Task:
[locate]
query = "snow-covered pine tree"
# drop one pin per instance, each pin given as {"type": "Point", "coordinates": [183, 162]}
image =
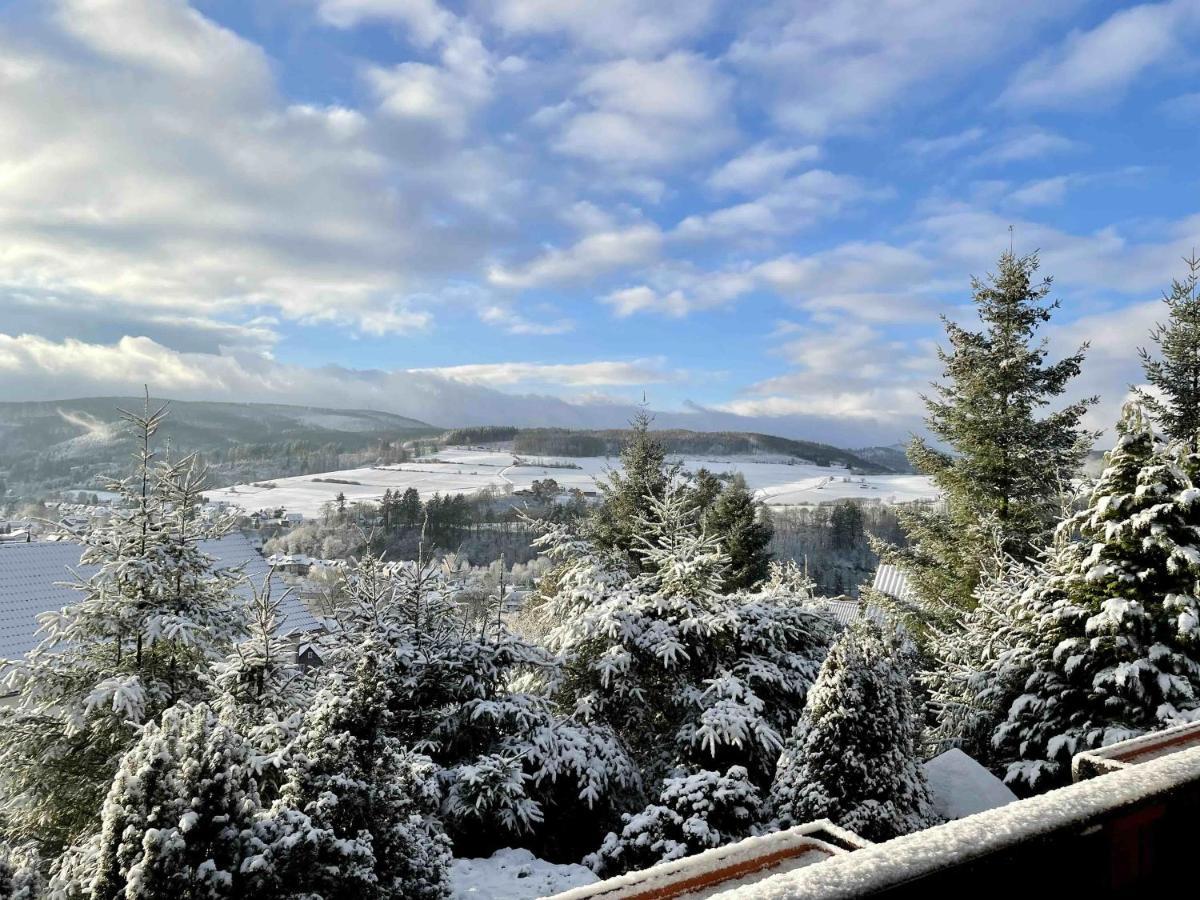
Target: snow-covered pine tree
{"type": "Point", "coordinates": [693, 681]}
{"type": "Point", "coordinates": [1006, 465]}
{"type": "Point", "coordinates": [745, 535]}
{"type": "Point", "coordinates": [260, 687]}
{"type": "Point", "coordinates": [1119, 640]}
{"type": "Point", "coordinates": [179, 817]}
{"type": "Point", "coordinates": [853, 758]}
{"type": "Point", "coordinates": [694, 812]}
{"type": "Point", "coordinates": [355, 817]}
{"type": "Point", "coordinates": [1175, 377]}
{"type": "Point", "coordinates": [20, 875]}
{"type": "Point", "coordinates": [137, 642]}
{"type": "Point", "coordinates": [513, 769]}
{"type": "Point", "coordinates": [977, 666]}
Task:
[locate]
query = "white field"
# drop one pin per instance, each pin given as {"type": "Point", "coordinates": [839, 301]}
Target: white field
{"type": "Point", "coordinates": [466, 470]}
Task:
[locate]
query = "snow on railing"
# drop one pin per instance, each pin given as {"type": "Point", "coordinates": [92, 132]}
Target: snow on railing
{"type": "Point", "coordinates": [906, 859]}
{"type": "Point", "coordinates": [784, 850]}
{"type": "Point", "coordinates": [1135, 751]}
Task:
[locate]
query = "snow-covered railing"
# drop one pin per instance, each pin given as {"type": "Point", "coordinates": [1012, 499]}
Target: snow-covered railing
{"type": "Point", "coordinates": [1085, 838]}
{"type": "Point", "coordinates": [1135, 751]}
{"type": "Point", "coordinates": [785, 850]}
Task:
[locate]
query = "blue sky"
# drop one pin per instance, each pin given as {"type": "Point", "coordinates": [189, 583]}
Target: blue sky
{"type": "Point", "coordinates": [538, 210]}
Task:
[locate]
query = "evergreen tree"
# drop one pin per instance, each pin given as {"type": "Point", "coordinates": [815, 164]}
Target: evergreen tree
{"type": "Point", "coordinates": [137, 642]}
{"type": "Point", "coordinates": [355, 816]}
{"type": "Point", "coordinates": [690, 680]}
{"type": "Point", "coordinates": [20, 878]}
{"type": "Point", "coordinates": [733, 518]}
{"type": "Point", "coordinates": [179, 817]}
{"type": "Point", "coordinates": [629, 494]}
{"type": "Point", "coordinates": [1118, 625]}
{"type": "Point", "coordinates": [1175, 403]}
{"type": "Point", "coordinates": [694, 812]}
{"type": "Point", "coordinates": [1004, 472]}
{"type": "Point", "coordinates": [852, 758]}
{"type": "Point", "coordinates": [978, 665]}
{"type": "Point", "coordinates": [260, 687]}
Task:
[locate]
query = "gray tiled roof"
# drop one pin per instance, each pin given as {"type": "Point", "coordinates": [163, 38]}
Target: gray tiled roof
{"type": "Point", "coordinates": [32, 576]}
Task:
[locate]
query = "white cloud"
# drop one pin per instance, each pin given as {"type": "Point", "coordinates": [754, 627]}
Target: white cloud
{"type": "Point", "coordinates": [827, 67]}
{"type": "Point", "coordinates": [593, 256]}
{"type": "Point", "coordinates": [1023, 145]}
{"type": "Point", "coordinates": [760, 167]}
{"type": "Point", "coordinates": [1043, 192]}
{"type": "Point", "coordinates": [630, 301]}
{"type": "Point", "coordinates": [946, 144]}
{"type": "Point", "coordinates": [427, 21]}
{"type": "Point", "coordinates": [156, 164]}
{"type": "Point", "coordinates": [512, 322]}
{"type": "Point", "coordinates": [1101, 63]}
{"type": "Point", "coordinates": [589, 374]}
{"type": "Point", "coordinates": [650, 114]}
{"type": "Point", "coordinates": [797, 203]}
{"type": "Point", "coordinates": [637, 27]}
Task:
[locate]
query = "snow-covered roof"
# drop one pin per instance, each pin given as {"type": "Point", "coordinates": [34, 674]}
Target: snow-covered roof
{"type": "Point", "coordinates": [891, 580]}
{"type": "Point", "coordinates": [905, 859]}
{"type": "Point", "coordinates": [962, 787]}
{"type": "Point", "coordinates": [32, 576]}
{"type": "Point", "coordinates": [715, 873]}
{"type": "Point", "coordinates": [846, 611]}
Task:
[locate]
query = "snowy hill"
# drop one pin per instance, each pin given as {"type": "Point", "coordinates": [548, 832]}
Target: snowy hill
{"type": "Point", "coordinates": [775, 481]}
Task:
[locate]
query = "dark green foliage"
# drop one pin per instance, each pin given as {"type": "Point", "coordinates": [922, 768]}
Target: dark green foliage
{"type": "Point", "coordinates": [733, 517]}
{"type": "Point", "coordinates": [630, 494]}
{"type": "Point", "coordinates": [1007, 461]}
{"type": "Point", "coordinates": [1118, 627]}
{"type": "Point", "coordinates": [852, 758]}
{"type": "Point", "coordinates": [1176, 375]}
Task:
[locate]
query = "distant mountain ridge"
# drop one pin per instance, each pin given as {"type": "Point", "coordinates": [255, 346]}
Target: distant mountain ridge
{"type": "Point", "coordinates": [608, 442]}
{"type": "Point", "coordinates": [53, 445]}
{"type": "Point", "coordinates": [193, 425]}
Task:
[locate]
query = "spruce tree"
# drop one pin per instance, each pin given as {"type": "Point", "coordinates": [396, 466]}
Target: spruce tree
{"type": "Point", "coordinates": [178, 820]}
{"type": "Point", "coordinates": [1118, 624]}
{"type": "Point", "coordinates": [733, 518]}
{"type": "Point", "coordinates": [628, 495]}
{"type": "Point", "coordinates": [138, 641]}
{"type": "Point", "coordinates": [1175, 402]}
{"type": "Point", "coordinates": [1006, 461]}
{"type": "Point", "coordinates": [852, 758]}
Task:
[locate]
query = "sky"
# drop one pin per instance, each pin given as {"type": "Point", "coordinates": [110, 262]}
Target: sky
{"type": "Point", "coordinates": [751, 214]}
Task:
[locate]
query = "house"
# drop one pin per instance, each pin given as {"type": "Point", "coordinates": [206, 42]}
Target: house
{"type": "Point", "coordinates": [32, 577]}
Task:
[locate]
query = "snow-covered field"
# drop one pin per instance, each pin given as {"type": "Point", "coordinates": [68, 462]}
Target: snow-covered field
{"type": "Point", "coordinates": [465, 470]}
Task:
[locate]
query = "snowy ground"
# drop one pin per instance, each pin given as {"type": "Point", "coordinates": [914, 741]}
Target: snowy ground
{"type": "Point", "coordinates": [464, 470]}
{"type": "Point", "coordinates": [513, 875]}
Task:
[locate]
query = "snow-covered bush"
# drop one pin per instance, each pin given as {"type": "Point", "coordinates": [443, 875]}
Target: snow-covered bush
{"type": "Point", "coordinates": [179, 817]}
{"type": "Point", "coordinates": [695, 812]}
{"type": "Point", "coordinates": [137, 641]}
{"type": "Point", "coordinates": [1118, 649]}
{"type": "Point", "coordinates": [852, 758]}
{"type": "Point", "coordinates": [20, 876]}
